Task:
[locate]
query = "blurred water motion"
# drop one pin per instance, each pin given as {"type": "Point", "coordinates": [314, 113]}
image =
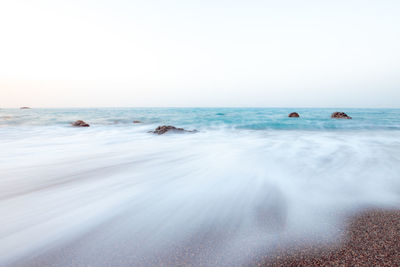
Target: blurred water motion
{"type": "Point", "coordinates": [110, 195]}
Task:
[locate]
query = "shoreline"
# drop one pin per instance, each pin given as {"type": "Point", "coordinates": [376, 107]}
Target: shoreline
{"type": "Point", "coordinates": [372, 238]}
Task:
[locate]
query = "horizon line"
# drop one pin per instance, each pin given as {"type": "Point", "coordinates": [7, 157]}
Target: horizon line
{"type": "Point", "coordinates": [259, 107]}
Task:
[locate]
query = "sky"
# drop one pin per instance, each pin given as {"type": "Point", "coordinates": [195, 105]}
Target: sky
{"type": "Point", "coordinates": [200, 53]}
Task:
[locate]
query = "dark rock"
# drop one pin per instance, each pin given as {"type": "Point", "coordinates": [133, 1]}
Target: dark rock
{"type": "Point", "coordinates": [80, 123]}
{"type": "Point", "coordinates": [137, 122]}
{"type": "Point", "coordinates": [167, 128]}
{"type": "Point", "coordinates": [340, 115]}
{"type": "Point", "coordinates": [24, 108]}
{"type": "Point", "coordinates": [294, 115]}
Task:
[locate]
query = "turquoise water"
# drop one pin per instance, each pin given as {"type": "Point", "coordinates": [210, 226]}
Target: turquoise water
{"type": "Point", "coordinates": [208, 118]}
{"type": "Point", "coordinates": [250, 180]}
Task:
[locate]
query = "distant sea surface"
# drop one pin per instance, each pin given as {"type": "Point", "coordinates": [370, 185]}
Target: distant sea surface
{"type": "Point", "coordinates": [250, 180]}
{"type": "Point", "coordinates": [208, 118]}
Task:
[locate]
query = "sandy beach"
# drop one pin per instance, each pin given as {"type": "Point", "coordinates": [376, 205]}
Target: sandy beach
{"type": "Point", "coordinates": [372, 238]}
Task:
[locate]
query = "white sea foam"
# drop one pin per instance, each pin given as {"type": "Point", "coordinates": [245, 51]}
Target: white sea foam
{"type": "Point", "coordinates": [121, 196]}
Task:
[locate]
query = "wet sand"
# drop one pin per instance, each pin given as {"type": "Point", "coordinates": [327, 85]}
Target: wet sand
{"type": "Point", "coordinates": [371, 239]}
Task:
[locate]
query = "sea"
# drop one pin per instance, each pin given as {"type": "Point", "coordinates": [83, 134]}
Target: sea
{"type": "Point", "coordinates": [249, 181]}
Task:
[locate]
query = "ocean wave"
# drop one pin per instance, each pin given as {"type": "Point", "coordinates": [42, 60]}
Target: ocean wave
{"type": "Point", "coordinates": [120, 196]}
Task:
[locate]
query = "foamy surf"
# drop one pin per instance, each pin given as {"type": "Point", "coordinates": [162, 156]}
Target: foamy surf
{"type": "Point", "coordinates": [117, 195]}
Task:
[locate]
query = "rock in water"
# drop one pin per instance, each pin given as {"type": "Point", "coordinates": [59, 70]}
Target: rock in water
{"type": "Point", "coordinates": [137, 122]}
{"type": "Point", "coordinates": [168, 128]}
{"type": "Point", "coordinates": [340, 115]}
{"type": "Point", "coordinates": [294, 115]}
{"type": "Point", "coordinates": [24, 108]}
{"type": "Point", "coordinates": [6, 117]}
{"type": "Point", "coordinates": [80, 123]}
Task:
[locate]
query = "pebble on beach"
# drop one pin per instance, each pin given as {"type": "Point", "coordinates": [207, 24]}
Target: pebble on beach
{"type": "Point", "coordinates": [371, 239]}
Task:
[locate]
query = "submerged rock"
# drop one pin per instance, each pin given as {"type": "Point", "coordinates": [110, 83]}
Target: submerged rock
{"type": "Point", "coordinates": [24, 108]}
{"type": "Point", "coordinates": [137, 122]}
{"type": "Point", "coordinates": [168, 128]}
{"type": "Point", "coordinates": [294, 115]}
{"type": "Point", "coordinates": [6, 117]}
{"type": "Point", "coordinates": [80, 123]}
{"type": "Point", "coordinates": [340, 115]}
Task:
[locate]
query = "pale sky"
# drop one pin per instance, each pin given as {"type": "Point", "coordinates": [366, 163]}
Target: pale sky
{"type": "Point", "coordinates": [282, 53]}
